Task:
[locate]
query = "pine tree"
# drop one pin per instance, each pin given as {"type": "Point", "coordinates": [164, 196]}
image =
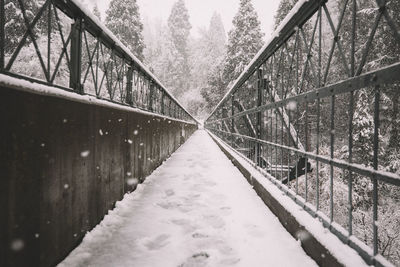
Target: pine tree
{"type": "Point", "coordinates": [283, 9]}
{"type": "Point", "coordinates": [216, 87]}
{"type": "Point", "coordinates": [96, 12]}
{"type": "Point", "coordinates": [245, 40]}
{"type": "Point", "coordinates": [212, 55]}
{"type": "Point", "coordinates": [123, 19]}
{"type": "Point", "coordinates": [179, 30]}
{"type": "Point", "coordinates": [179, 26]}
{"type": "Point", "coordinates": [217, 38]}
{"type": "Point", "coordinates": [14, 21]}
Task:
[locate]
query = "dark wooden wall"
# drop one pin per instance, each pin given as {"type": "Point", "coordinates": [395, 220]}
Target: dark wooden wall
{"type": "Point", "coordinates": [51, 193]}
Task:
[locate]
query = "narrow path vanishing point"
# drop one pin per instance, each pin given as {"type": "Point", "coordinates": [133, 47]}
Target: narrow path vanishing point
{"type": "Point", "coordinates": [195, 210]}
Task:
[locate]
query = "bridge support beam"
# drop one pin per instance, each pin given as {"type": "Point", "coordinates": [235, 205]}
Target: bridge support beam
{"type": "Point", "coordinates": [2, 34]}
{"type": "Point", "coordinates": [76, 56]}
{"type": "Point", "coordinates": [129, 81]}
{"type": "Point", "coordinates": [260, 88]}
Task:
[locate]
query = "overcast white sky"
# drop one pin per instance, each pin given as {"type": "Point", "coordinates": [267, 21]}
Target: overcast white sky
{"type": "Point", "coordinates": [200, 11]}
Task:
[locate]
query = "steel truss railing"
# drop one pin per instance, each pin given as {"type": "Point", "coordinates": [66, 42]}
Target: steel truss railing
{"type": "Point", "coordinates": [305, 66]}
{"type": "Point", "coordinates": [88, 59]}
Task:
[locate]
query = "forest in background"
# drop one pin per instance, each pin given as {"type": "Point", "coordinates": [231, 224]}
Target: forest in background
{"type": "Point", "coordinates": [199, 69]}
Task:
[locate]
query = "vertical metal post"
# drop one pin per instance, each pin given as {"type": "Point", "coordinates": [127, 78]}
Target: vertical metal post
{"type": "Point", "coordinates": [271, 148]}
{"type": "Point", "coordinates": [175, 105]}
{"type": "Point", "coordinates": [2, 34]}
{"type": "Point", "coordinates": [151, 94]}
{"type": "Point", "coordinates": [169, 107]}
{"type": "Point", "coordinates": [76, 56]}
{"type": "Point", "coordinates": [232, 120]}
{"type": "Point", "coordinates": [129, 81]}
{"type": "Point", "coordinates": [351, 111]}
{"type": "Point", "coordinates": [332, 137]}
{"type": "Point", "coordinates": [318, 106]}
{"type": "Point", "coordinates": [48, 42]}
{"type": "Point", "coordinates": [375, 165]}
{"type": "Point", "coordinates": [276, 141]}
{"type": "Point", "coordinates": [162, 103]}
{"type": "Point", "coordinates": [307, 149]}
{"type": "Point", "coordinates": [259, 119]}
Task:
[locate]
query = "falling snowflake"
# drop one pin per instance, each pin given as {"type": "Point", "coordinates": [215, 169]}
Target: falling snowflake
{"type": "Point", "coordinates": [132, 181]}
{"type": "Point", "coordinates": [17, 244]}
{"type": "Point", "coordinates": [85, 153]}
{"type": "Point", "coordinates": [292, 105]}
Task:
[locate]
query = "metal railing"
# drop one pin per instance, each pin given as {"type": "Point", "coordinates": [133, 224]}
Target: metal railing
{"type": "Point", "coordinates": [292, 110]}
{"type": "Point", "coordinates": [62, 44]}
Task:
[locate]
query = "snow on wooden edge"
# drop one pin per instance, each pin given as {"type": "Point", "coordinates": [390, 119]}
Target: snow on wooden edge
{"type": "Point", "coordinates": [343, 253]}
{"type": "Point", "coordinates": [41, 89]}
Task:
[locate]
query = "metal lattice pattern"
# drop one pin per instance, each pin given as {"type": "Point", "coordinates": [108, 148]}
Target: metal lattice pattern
{"type": "Point", "coordinates": [61, 44]}
{"type": "Point", "coordinates": [285, 108]}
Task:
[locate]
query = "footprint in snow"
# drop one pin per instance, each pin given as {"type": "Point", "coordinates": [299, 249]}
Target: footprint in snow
{"type": "Point", "coordinates": [169, 192]}
{"type": "Point", "coordinates": [196, 260]}
{"type": "Point", "coordinates": [209, 183]}
{"type": "Point", "coordinates": [186, 225]}
{"type": "Point", "coordinates": [214, 220]}
{"type": "Point", "coordinates": [180, 221]}
{"type": "Point", "coordinates": [157, 243]}
{"type": "Point", "coordinates": [229, 262]}
{"type": "Point", "coordinates": [169, 204]}
{"type": "Point", "coordinates": [225, 210]}
{"type": "Point", "coordinates": [199, 235]}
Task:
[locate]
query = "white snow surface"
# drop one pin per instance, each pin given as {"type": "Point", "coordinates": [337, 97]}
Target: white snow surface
{"type": "Point", "coordinates": [195, 210]}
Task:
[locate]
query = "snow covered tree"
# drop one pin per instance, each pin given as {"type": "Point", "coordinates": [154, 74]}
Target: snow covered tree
{"type": "Point", "coordinates": [283, 9]}
{"type": "Point", "coordinates": [14, 21]}
{"type": "Point", "coordinates": [217, 38]}
{"type": "Point", "coordinates": [216, 87]}
{"type": "Point", "coordinates": [179, 26]}
{"type": "Point", "coordinates": [96, 12]}
{"type": "Point", "coordinates": [211, 57]}
{"type": "Point", "coordinates": [123, 19]}
{"type": "Point", "coordinates": [244, 41]}
{"type": "Point", "coordinates": [178, 33]}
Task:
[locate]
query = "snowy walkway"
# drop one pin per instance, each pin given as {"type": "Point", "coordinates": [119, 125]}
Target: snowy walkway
{"type": "Point", "coordinates": [195, 210]}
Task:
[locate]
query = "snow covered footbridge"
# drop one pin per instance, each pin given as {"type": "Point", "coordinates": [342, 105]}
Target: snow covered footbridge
{"type": "Point", "coordinates": [311, 124]}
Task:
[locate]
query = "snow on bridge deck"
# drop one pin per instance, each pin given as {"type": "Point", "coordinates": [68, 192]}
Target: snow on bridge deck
{"type": "Point", "coordinates": [195, 210]}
